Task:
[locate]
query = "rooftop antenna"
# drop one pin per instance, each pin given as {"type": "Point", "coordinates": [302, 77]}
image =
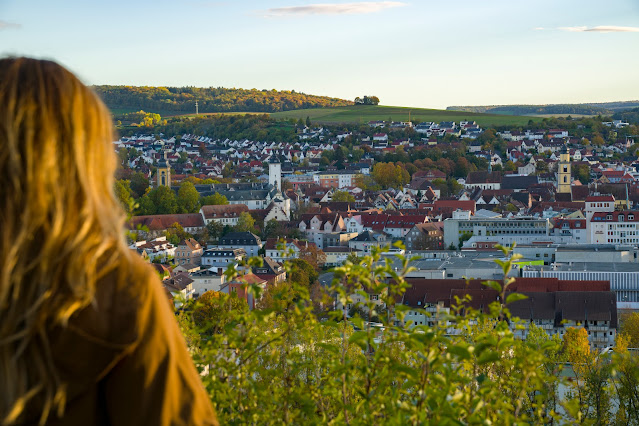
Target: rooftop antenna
{"type": "Point", "coordinates": [196, 109]}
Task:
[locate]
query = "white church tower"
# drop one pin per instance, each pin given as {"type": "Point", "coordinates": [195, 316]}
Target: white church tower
{"type": "Point", "coordinates": [275, 175]}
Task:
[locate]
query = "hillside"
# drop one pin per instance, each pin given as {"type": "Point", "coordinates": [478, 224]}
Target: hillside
{"type": "Point", "coordinates": [181, 100]}
{"type": "Point", "coordinates": [366, 113]}
{"type": "Point", "coordinates": [601, 108]}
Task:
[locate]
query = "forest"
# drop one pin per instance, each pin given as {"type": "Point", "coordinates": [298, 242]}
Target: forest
{"type": "Point", "coordinates": [605, 108]}
{"type": "Point", "coordinates": [180, 100]}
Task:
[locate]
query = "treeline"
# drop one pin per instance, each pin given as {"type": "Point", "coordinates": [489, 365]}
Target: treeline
{"type": "Point", "coordinates": [583, 109]}
{"type": "Point", "coordinates": [212, 99]}
{"type": "Point", "coordinates": [631, 116]}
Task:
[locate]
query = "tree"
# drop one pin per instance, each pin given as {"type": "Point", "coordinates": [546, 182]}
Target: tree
{"type": "Point", "coordinates": [541, 166]}
{"type": "Point", "coordinates": [272, 229]}
{"type": "Point", "coordinates": [582, 172]}
{"type": "Point", "coordinates": [215, 230]}
{"type": "Point", "coordinates": [630, 327]}
{"type": "Point", "coordinates": [139, 184]}
{"type": "Point", "coordinates": [216, 199]}
{"type": "Point", "coordinates": [591, 375]}
{"type": "Point", "coordinates": [164, 200]}
{"type": "Point", "coordinates": [510, 207]}
{"type": "Point", "coordinates": [188, 199]}
{"type": "Point", "coordinates": [364, 182]}
{"type": "Point", "coordinates": [176, 233]}
{"type": "Point", "coordinates": [510, 166]}
{"type": "Point", "coordinates": [245, 223]}
{"type": "Point", "coordinates": [214, 310]}
{"type": "Point", "coordinates": [308, 121]}
{"type": "Point", "coordinates": [626, 381]}
{"type": "Point", "coordinates": [342, 196]}
{"type": "Point", "coordinates": [339, 157]}
{"type": "Point", "coordinates": [145, 206]}
{"type": "Point", "coordinates": [302, 272]}
{"type": "Point", "coordinates": [367, 100]}
{"type": "Point", "coordinates": [228, 170]}
{"type": "Point", "coordinates": [313, 255]}
{"type": "Point", "coordinates": [389, 175]}
{"type": "Point", "coordinates": [123, 193]}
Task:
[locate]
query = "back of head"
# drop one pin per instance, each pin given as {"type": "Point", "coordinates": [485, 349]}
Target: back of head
{"type": "Point", "coordinates": [61, 222]}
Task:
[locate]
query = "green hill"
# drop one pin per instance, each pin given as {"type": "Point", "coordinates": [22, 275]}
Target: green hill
{"type": "Point", "coordinates": [366, 113]}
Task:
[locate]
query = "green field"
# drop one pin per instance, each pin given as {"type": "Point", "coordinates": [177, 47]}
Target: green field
{"type": "Point", "coordinates": [366, 113]}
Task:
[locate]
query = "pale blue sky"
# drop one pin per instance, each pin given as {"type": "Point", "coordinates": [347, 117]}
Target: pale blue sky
{"type": "Point", "coordinates": [413, 53]}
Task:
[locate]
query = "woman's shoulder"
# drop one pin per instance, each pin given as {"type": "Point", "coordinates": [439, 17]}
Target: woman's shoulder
{"type": "Point", "coordinates": [113, 321]}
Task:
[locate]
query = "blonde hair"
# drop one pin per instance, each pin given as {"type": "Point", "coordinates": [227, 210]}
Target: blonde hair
{"type": "Point", "coordinates": [61, 223]}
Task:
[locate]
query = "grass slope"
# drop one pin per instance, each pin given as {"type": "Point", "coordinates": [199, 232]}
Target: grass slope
{"type": "Point", "coordinates": [366, 113]}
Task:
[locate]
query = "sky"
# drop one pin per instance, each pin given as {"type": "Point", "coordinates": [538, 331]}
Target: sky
{"type": "Point", "coordinates": [428, 53]}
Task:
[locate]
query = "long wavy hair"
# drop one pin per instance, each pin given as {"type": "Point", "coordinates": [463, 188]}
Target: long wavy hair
{"type": "Point", "coordinates": [61, 223]}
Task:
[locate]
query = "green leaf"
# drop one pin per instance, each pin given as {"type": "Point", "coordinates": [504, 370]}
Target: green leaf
{"type": "Point", "coordinates": [494, 285]}
{"type": "Point", "coordinates": [513, 297]}
{"type": "Point", "coordinates": [359, 338]}
{"type": "Point", "coordinates": [488, 356]}
{"type": "Point", "coordinates": [460, 351]}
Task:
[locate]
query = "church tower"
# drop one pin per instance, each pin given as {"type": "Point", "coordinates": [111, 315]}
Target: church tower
{"type": "Point", "coordinates": [563, 177]}
{"type": "Point", "coordinates": [163, 174]}
{"type": "Point", "coordinates": [275, 175]}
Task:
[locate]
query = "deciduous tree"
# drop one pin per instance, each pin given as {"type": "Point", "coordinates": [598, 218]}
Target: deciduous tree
{"type": "Point", "coordinates": [214, 200]}
{"type": "Point", "coordinates": [245, 223]}
{"type": "Point", "coordinates": [188, 199]}
{"type": "Point", "coordinates": [342, 196]}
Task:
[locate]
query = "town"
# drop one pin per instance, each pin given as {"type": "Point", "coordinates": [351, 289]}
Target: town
{"type": "Point", "coordinates": [566, 204]}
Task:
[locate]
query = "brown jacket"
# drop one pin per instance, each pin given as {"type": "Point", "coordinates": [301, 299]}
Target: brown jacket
{"type": "Point", "coordinates": [125, 362]}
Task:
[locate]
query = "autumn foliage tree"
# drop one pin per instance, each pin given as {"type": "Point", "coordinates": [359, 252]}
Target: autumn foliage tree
{"type": "Point", "coordinates": [390, 175]}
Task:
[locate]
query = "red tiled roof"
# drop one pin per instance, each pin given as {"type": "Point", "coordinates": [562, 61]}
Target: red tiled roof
{"type": "Point", "coordinates": [220, 211]}
{"type": "Point", "coordinates": [614, 216]}
{"type": "Point", "coordinates": [163, 221]}
{"type": "Point", "coordinates": [593, 198]}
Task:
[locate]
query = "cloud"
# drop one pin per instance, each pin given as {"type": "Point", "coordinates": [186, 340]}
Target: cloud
{"type": "Point", "coordinates": [601, 29]}
{"type": "Point", "coordinates": [4, 25]}
{"type": "Point", "coordinates": [539, 28]}
{"type": "Point", "coordinates": [333, 8]}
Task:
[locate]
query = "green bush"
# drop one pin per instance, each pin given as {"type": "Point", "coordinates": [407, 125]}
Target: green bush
{"type": "Point", "coordinates": [288, 364]}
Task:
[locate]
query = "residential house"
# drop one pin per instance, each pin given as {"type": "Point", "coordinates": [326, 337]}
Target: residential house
{"type": "Point", "coordinates": [337, 255]}
{"type": "Point", "coordinates": [247, 241]}
{"type": "Point", "coordinates": [158, 248]}
{"type": "Point", "coordinates": [221, 259]}
{"type": "Point", "coordinates": [179, 284]}
{"type": "Point", "coordinates": [314, 226]}
{"type": "Point", "coordinates": [425, 236]}
{"type": "Point", "coordinates": [365, 241]}
{"type": "Point", "coordinates": [483, 180]}
{"type": "Point", "coordinates": [271, 271]}
{"type": "Point", "coordinates": [206, 280]}
{"type": "Point", "coordinates": [151, 226]}
{"type": "Point", "coordinates": [289, 248]}
{"type": "Point", "coordinates": [240, 285]}
{"type": "Point", "coordinates": [226, 215]}
{"type": "Point", "coordinates": [189, 251]}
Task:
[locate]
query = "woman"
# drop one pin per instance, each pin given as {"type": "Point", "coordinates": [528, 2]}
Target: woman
{"type": "Point", "coordinates": [86, 333]}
